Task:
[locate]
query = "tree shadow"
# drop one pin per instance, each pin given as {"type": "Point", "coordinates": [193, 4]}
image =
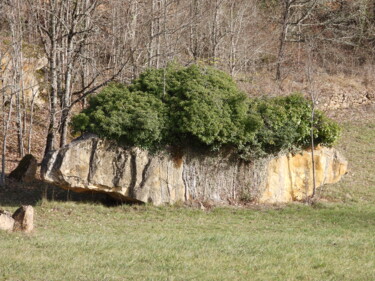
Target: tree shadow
{"type": "Point", "coordinates": [15, 194]}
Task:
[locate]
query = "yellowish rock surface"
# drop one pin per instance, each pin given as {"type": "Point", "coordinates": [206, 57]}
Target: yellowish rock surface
{"type": "Point", "coordinates": [290, 177]}
{"type": "Point", "coordinates": [133, 174]}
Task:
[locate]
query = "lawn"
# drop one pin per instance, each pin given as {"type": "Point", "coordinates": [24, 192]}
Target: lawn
{"type": "Point", "coordinates": [332, 240]}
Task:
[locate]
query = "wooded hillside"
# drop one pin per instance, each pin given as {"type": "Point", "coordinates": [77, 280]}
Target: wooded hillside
{"type": "Point", "coordinates": [88, 43]}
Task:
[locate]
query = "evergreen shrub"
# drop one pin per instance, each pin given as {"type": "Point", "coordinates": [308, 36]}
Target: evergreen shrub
{"type": "Point", "coordinates": [201, 106]}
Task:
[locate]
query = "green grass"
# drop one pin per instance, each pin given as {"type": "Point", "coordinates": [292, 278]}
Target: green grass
{"type": "Point", "coordinates": [357, 144]}
{"type": "Point", "coordinates": [86, 242]}
{"type": "Point", "coordinates": [332, 240]}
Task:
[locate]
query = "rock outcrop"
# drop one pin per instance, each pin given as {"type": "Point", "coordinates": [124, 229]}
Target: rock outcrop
{"type": "Point", "coordinates": [92, 164]}
{"type": "Point", "coordinates": [32, 78]}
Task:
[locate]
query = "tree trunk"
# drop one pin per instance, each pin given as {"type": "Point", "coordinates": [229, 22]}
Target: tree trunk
{"type": "Point", "coordinates": [29, 139]}
{"type": "Point", "coordinates": [6, 123]}
{"type": "Point", "coordinates": [151, 35]}
{"type": "Point", "coordinates": [280, 55]}
{"type": "Point", "coordinates": [66, 102]}
{"type": "Point", "coordinates": [193, 38]}
{"type": "Point", "coordinates": [17, 65]}
{"type": "Point", "coordinates": [53, 81]}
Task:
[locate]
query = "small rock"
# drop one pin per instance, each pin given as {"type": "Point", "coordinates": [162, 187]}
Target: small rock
{"type": "Point", "coordinates": [348, 196]}
{"type": "Point", "coordinates": [370, 96]}
{"type": "Point", "coordinates": [6, 221]}
{"type": "Point", "coordinates": [24, 219]}
{"type": "Point", "coordinates": [9, 214]}
{"type": "Point", "coordinates": [202, 207]}
{"type": "Point", "coordinates": [25, 170]}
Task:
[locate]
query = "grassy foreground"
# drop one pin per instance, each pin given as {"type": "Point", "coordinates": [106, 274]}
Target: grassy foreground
{"type": "Point", "coordinates": [333, 240]}
{"type": "Point", "coordinates": [85, 242]}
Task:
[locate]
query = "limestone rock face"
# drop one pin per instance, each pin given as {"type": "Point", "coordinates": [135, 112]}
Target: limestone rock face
{"type": "Point", "coordinates": [290, 178]}
{"type": "Point", "coordinates": [32, 79]}
{"type": "Point", "coordinates": [92, 164]}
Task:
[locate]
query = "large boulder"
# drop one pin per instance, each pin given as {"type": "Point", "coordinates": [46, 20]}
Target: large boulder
{"type": "Point", "coordinates": [92, 164]}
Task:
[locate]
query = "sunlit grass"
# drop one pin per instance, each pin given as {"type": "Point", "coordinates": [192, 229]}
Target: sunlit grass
{"type": "Point", "coordinates": [357, 144]}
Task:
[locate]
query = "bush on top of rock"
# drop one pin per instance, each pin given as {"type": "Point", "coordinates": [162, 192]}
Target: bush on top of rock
{"type": "Point", "coordinates": [201, 106]}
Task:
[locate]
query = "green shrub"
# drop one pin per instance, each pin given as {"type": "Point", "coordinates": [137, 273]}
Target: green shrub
{"type": "Point", "coordinates": [132, 118]}
{"type": "Point", "coordinates": [201, 106]}
{"type": "Point", "coordinates": [286, 123]}
{"type": "Point", "coordinates": [205, 105]}
{"type": "Point", "coordinates": [326, 131]}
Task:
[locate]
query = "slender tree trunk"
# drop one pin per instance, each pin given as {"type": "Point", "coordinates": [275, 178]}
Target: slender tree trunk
{"type": "Point", "coordinates": [151, 35]}
{"type": "Point", "coordinates": [233, 51]}
{"type": "Point", "coordinates": [312, 150]}
{"type": "Point", "coordinates": [193, 38]}
{"type": "Point", "coordinates": [66, 102]}
{"type": "Point", "coordinates": [133, 30]}
{"type": "Point", "coordinates": [158, 38]}
{"type": "Point", "coordinates": [31, 122]}
{"type": "Point", "coordinates": [214, 33]}
{"type": "Point", "coordinates": [17, 64]}
{"type": "Point", "coordinates": [164, 57]}
{"type": "Point", "coordinates": [53, 81]}
{"type": "Point", "coordinates": [280, 55]}
{"type": "Point", "coordinates": [6, 122]}
{"type": "Point", "coordinates": [313, 97]}
{"type": "Point", "coordinates": [22, 86]}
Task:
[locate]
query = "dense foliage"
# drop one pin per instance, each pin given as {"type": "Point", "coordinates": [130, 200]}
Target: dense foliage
{"type": "Point", "coordinates": [201, 106]}
{"type": "Point", "coordinates": [136, 118]}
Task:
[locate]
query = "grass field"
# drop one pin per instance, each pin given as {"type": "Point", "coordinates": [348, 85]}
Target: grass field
{"type": "Point", "coordinates": [332, 240]}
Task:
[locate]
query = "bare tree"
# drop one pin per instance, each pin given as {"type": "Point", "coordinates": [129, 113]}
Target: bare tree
{"type": "Point", "coordinates": [293, 14]}
{"type": "Point", "coordinates": [11, 73]}
{"type": "Point", "coordinates": [66, 28]}
{"type": "Point", "coordinates": [194, 41]}
{"type": "Point", "coordinates": [7, 100]}
{"type": "Point", "coordinates": [314, 100]}
{"type": "Point", "coordinates": [47, 15]}
{"type": "Point", "coordinates": [15, 24]}
{"type": "Point", "coordinates": [77, 26]}
{"type": "Point", "coordinates": [236, 21]}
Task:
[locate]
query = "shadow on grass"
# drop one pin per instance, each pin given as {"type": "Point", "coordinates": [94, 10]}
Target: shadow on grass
{"type": "Point", "coordinates": [16, 193]}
